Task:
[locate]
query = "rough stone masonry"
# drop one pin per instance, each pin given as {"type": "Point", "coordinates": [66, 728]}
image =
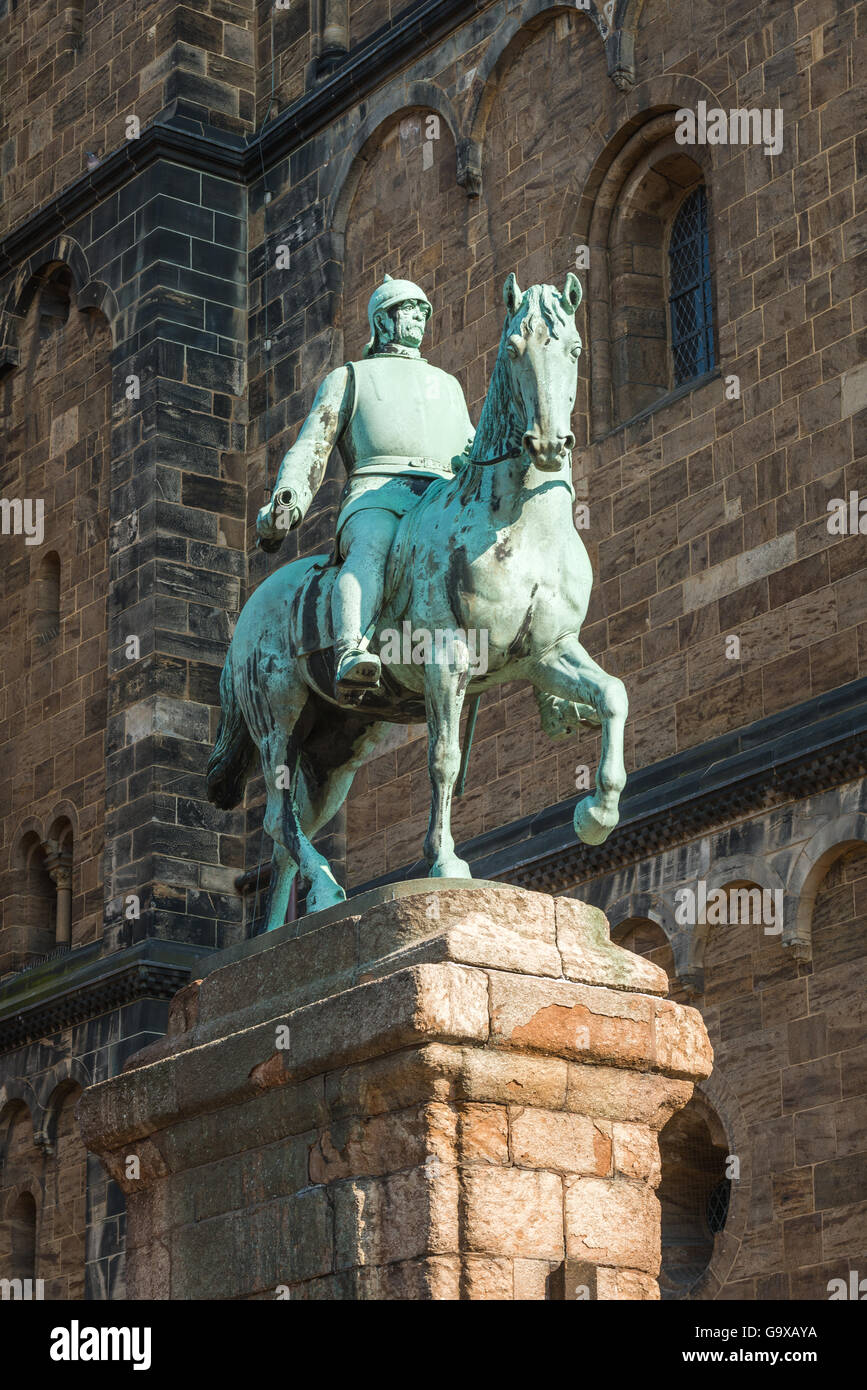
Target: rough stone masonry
{"type": "Point", "coordinates": [425, 1093]}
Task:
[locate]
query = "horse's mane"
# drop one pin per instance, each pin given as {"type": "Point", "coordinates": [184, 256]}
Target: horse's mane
{"type": "Point", "coordinates": [497, 421]}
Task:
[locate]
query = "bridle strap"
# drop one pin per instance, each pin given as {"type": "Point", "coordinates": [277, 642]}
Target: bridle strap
{"type": "Point", "coordinates": [513, 453]}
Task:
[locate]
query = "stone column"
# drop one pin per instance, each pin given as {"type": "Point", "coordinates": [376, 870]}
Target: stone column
{"type": "Point", "coordinates": [431, 1092]}
{"type": "Point", "coordinates": [58, 863]}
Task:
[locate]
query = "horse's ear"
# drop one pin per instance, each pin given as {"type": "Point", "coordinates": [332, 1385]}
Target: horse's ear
{"type": "Point", "coordinates": [571, 296]}
{"type": "Point", "coordinates": [512, 293]}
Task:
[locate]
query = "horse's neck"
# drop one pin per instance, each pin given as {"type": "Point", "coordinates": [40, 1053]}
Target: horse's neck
{"type": "Point", "coordinates": [511, 494]}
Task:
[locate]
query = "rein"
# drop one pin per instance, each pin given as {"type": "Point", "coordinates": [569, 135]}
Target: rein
{"type": "Point", "coordinates": [513, 453]}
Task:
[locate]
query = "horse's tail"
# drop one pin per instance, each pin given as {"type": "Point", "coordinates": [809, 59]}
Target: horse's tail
{"type": "Point", "coordinates": [234, 749]}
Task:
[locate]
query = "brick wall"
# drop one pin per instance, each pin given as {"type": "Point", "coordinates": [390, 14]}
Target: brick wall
{"type": "Point", "coordinates": [53, 683]}
{"type": "Point", "coordinates": [789, 1041]}
{"type": "Point", "coordinates": [69, 84]}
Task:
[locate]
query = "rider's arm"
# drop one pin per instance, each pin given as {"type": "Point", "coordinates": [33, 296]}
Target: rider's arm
{"type": "Point", "coordinates": [303, 466]}
{"type": "Point", "coordinates": [461, 459]}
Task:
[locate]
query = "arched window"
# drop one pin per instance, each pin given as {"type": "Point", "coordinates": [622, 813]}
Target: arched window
{"type": "Point", "coordinates": [22, 1221]}
{"type": "Point", "coordinates": [694, 1197]}
{"type": "Point", "coordinates": [650, 293]}
{"type": "Point", "coordinates": [690, 297]}
{"type": "Point", "coordinates": [54, 301]}
{"type": "Point", "coordinates": [35, 900]}
{"type": "Point", "coordinates": [47, 598]}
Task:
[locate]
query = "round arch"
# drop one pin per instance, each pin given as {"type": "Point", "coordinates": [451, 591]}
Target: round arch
{"type": "Point", "coordinates": [68, 1076]}
{"type": "Point", "coordinates": [91, 295]}
{"type": "Point", "coordinates": [730, 872]}
{"type": "Point", "coordinates": [421, 96]}
{"type": "Point", "coordinates": [502, 52]}
{"type": "Point", "coordinates": [807, 872]}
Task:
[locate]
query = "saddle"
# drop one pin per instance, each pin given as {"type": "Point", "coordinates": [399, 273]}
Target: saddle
{"type": "Point", "coordinates": [312, 632]}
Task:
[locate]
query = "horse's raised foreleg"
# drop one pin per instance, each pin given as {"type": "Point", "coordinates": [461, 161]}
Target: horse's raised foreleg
{"type": "Point", "coordinates": [568, 671]}
{"type": "Point", "coordinates": [444, 697]}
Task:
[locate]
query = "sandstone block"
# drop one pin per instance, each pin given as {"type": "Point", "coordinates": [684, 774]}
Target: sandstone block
{"type": "Point", "coordinates": [612, 1223]}
{"type": "Point", "coordinates": [571, 1020]}
{"type": "Point", "coordinates": [509, 1211]}
{"type": "Point", "coordinates": [516, 933]}
{"type": "Point", "coordinates": [682, 1044]}
{"type": "Point", "coordinates": [463, 1123]}
{"type": "Point", "coordinates": [403, 1216]}
{"type": "Point", "coordinates": [637, 1096]}
{"type": "Point", "coordinates": [589, 954]}
{"type": "Point", "coordinates": [636, 1152]}
{"type": "Point", "coordinates": [531, 1278]}
{"type": "Point", "coordinates": [482, 1134]}
{"type": "Point", "coordinates": [558, 1140]}
{"type": "Point", "coordinates": [626, 1284]}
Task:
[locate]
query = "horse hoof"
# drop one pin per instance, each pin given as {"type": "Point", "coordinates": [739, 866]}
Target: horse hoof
{"type": "Point", "coordinates": [450, 868]}
{"type": "Point", "coordinates": [592, 826]}
{"type": "Point", "coordinates": [328, 895]}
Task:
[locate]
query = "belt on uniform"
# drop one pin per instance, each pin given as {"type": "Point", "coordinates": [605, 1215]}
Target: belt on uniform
{"type": "Point", "coordinates": [395, 463]}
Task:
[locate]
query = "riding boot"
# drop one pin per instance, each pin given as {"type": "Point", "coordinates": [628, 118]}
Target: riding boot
{"type": "Point", "coordinates": [355, 669]}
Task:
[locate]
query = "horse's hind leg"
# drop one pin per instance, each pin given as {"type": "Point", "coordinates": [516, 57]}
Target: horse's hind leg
{"type": "Point", "coordinates": [292, 848]}
{"type": "Point", "coordinates": [283, 876]}
{"type": "Point", "coordinates": [336, 758]}
{"type": "Point", "coordinates": [568, 671]}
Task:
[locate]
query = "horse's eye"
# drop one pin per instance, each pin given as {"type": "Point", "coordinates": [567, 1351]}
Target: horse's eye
{"type": "Point", "coordinates": [512, 350]}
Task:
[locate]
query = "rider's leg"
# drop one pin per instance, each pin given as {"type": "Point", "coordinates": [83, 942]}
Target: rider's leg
{"type": "Point", "coordinates": [365, 542]}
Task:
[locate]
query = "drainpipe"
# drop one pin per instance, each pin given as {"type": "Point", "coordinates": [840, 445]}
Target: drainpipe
{"type": "Point", "coordinates": [335, 34]}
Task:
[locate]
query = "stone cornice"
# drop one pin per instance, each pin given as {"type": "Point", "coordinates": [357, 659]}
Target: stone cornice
{"type": "Point", "coordinates": [41, 1002]}
{"type": "Point", "coordinates": [199, 146]}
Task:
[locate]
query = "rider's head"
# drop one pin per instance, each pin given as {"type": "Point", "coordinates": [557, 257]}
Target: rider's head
{"type": "Point", "coordinates": [397, 313]}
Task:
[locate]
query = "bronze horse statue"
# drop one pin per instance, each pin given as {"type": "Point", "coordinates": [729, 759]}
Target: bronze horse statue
{"type": "Point", "coordinates": [492, 549]}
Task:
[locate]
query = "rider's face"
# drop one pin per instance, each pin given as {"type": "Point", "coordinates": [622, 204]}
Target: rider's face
{"type": "Point", "coordinates": [409, 320]}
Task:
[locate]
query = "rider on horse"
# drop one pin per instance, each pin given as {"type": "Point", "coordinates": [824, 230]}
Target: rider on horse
{"type": "Point", "coordinates": [398, 423]}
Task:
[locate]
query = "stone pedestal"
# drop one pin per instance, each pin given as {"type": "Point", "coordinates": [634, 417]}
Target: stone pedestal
{"type": "Point", "coordinates": [437, 1090]}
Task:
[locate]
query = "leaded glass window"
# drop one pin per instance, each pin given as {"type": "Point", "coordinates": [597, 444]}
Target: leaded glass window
{"type": "Point", "coordinates": [690, 298]}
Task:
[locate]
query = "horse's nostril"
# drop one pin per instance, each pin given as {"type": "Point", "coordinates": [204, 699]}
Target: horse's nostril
{"type": "Point", "coordinates": [568, 441]}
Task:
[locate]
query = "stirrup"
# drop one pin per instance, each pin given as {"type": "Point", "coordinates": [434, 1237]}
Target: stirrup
{"type": "Point", "coordinates": [357, 670]}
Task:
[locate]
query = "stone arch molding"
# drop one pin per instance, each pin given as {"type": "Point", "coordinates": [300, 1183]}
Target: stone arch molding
{"type": "Point", "coordinates": [649, 906]}
{"type": "Point", "coordinates": [16, 1090]}
{"type": "Point", "coordinates": [388, 109]}
{"type": "Point", "coordinates": [807, 872]}
{"type": "Point", "coordinates": [56, 1085]}
{"type": "Point", "coordinates": [614, 20]}
{"type": "Point", "coordinates": [342, 178]}
{"type": "Point", "coordinates": [724, 872]}
{"type": "Point", "coordinates": [30, 1187]}
{"type": "Point", "coordinates": [611, 165]}
{"type": "Point", "coordinates": [62, 810]}
{"type": "Point", "coordinates": [716, 1100]}
{"type": "Point", "coordinates": [91, 295]}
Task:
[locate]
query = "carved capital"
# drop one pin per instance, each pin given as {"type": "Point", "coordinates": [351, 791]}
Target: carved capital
{"type": "Point", "coordinates": [42, 1141]}
{"type": "Point", "coordinates": [620, 52]}
{"type": "Point", "coordinates": [470, 166]}
{"type": "Point", "coordinates": [58, 862]}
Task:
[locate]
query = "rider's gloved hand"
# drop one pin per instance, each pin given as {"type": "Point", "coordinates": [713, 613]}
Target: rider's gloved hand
{"type": "Point", "coordinates": [276, 518]}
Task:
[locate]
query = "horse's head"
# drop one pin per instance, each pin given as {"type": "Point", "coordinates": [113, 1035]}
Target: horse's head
{"type": "Point", "coordinates": [543, 346]}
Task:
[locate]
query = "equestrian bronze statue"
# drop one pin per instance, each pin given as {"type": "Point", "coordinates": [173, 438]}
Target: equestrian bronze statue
{"type": "Point", "coordinates": [445, 535]}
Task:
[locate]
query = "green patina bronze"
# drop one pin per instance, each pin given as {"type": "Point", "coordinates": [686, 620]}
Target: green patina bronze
{"type": "Point", "coordinates": [441, 530]}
